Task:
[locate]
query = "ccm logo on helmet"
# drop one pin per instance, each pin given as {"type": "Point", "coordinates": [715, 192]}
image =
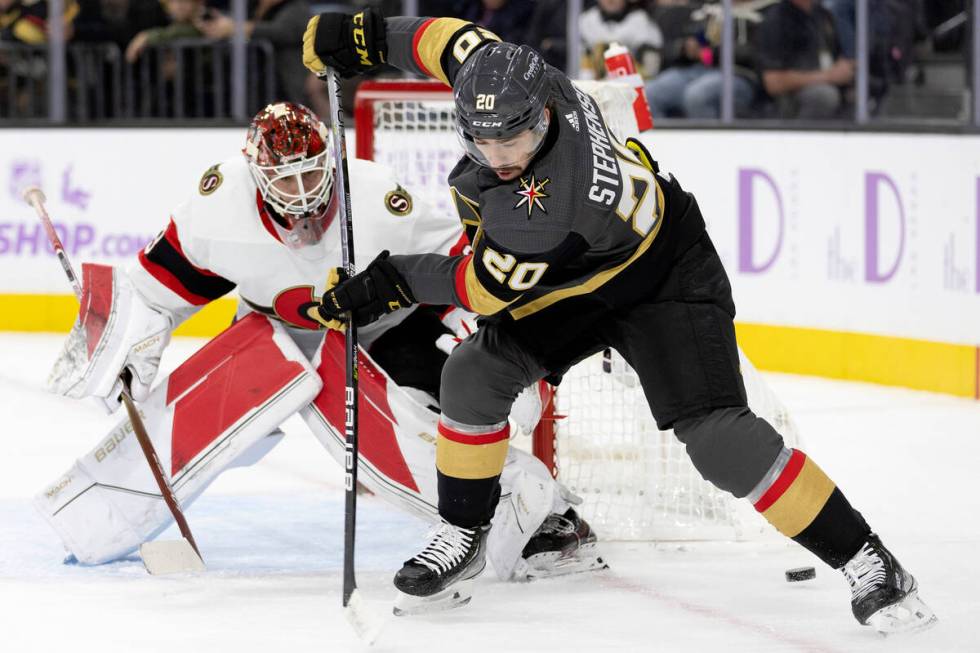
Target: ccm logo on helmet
{"type": "Point", "coordinates": [481, 123]}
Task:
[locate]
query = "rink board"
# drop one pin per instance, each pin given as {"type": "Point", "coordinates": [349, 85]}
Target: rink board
{"type": "Point", "coordinates": [852, 255]}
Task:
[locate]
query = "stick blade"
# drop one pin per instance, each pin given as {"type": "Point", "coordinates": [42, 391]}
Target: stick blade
{"type": "Point", "coordinates": [365, 623]}
{"type": "Point", "coordinates": [170, 557]}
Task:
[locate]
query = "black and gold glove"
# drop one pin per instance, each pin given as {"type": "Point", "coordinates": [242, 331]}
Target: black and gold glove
{"type": "Point", "coordinates": [350, 44]}
{"type": "Point", "coordinates": [378, 290]}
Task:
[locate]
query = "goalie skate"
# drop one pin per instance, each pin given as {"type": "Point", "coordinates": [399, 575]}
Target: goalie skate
{"type": "Point", "coordinates": [563, 544]}
{"type": "Point", "coordinates": [884, 595]}
{"type": "Point", "coordinates": [440, 577]}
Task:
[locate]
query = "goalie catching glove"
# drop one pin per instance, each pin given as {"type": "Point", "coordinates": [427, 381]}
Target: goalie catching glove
{"type": "Point", "coordinates": [350, 44]}
{"type": "Point", "coordinates": [116, 330]}
{"type": "Point", "coordinates": [378, 290]}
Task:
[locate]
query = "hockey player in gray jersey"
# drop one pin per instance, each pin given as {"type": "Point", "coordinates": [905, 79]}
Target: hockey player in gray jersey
{"type": "Point", "coordinates": [579, 243]}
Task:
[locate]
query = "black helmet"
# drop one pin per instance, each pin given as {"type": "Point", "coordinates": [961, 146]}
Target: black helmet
{"type": "Point", "coordinates": [500, 92]}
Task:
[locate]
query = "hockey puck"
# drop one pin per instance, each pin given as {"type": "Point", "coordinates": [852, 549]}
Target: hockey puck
{"type": "Point", "coordinates": [800, 573]}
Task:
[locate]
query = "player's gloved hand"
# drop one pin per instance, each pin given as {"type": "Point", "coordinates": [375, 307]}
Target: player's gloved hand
{"type": "Point", "coordinates": [349, 43]}
{"type": "Point", "coordinates": [378, 290]}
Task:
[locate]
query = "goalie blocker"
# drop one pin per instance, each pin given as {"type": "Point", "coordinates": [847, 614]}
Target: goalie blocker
{"type": "Point", "coordinates": [107, 504]}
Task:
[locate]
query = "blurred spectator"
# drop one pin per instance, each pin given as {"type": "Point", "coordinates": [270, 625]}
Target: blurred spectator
{"type": "Point", "coordinates": [281, 22]}
{"type": "Point", "coordinates": [508, 19]}
{"type": "Point", "coordinates": [184, 14]}
{"type": "Point", "coordinates": [800, 59]}
{"type": "Point", "coordinates": [25, 21]}
{"type": "Point", "coordinates": [547, 32]}
{"type": "Point", "coordinates": [619, 21]}
{"type": "Point", "coordinates": [691, 84]}
{"type": "Point", "coordinates": [895, 26]}
{"type": "Point", "coordinates": [116, 21]}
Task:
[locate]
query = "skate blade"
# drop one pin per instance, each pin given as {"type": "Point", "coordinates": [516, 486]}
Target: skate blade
{"type": "Point", "coordinates": [910, 615]}
{"type": "Point", "coordinates": [453, 597]}
{"type": "Point", "coordinates": [553, 564]}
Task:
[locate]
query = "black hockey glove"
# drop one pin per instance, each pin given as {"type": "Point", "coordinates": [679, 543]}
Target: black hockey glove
{"type": "Point", "coordinates": [348, 43]}
{"type": "Point", "coordinates": [378, 290]}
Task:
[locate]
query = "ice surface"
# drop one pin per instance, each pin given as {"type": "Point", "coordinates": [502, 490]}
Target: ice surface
{"type": "Point", "coordinates": [272, 538]}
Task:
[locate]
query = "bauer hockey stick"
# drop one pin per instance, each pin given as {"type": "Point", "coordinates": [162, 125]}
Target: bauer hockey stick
{"type": "Point", "coordinates": [356, 612]}
{"type": "Point", "coordinates": [160, 557]}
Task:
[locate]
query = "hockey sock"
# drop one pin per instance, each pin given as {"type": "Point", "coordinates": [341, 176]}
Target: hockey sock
{"type": "Point", "coordinates": [801, 502]}
{"type": "Point", "coordinates": [469, 460]}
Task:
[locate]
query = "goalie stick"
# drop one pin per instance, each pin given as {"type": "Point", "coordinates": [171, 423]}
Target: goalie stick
{"type": "Point", "coordinates": [363, 622]}
{"type": "Point", "coordinates": [162, 556]}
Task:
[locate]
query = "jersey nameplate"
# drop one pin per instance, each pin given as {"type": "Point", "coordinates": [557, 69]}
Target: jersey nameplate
{"type": "Point", "coordinates": [605, 172]}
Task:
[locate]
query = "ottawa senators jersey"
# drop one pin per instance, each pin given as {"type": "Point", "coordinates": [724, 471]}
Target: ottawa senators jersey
{"type": "Point", "coordinates": [222, 237]}
{"type": "Point", "coordinates": [590, 221]}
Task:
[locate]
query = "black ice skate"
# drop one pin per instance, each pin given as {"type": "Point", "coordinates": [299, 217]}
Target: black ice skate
{"type": "Point", "coordinates": [883, 594]}
{"type": "Point", "coordinates": [439, 578]}
{"type": "Point", "coordinates": [563, 544]}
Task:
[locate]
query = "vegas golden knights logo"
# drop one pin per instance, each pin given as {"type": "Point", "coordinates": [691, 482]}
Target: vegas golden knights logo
{"type": "Point", "coordinates": [531, 194]}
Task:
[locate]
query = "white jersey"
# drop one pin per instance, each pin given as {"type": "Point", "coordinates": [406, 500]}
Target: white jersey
{"type": "Point", "coordinates": [222, 237]}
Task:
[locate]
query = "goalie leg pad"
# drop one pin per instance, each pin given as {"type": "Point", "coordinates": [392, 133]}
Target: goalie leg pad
{"type": "Point", "coordinates": [522, 509]}
{"type": "Point", "coordinates": [397, 454]}
{"type": "Point", "coordinates": [210, 411]}
{"type": "Point", "coordinates": [396, 434]}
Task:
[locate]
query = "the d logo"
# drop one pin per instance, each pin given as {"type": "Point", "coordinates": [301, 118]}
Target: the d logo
{"type": "Point", "coordinates": [872, 230]}
{"type": "Point", "coordinates": [746, 221]}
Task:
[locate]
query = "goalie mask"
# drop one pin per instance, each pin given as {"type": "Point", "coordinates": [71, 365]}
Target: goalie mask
{"type": "Point", "coordinates": [290, 154]}
{"type": "Point", "coordinates": [501, 96]}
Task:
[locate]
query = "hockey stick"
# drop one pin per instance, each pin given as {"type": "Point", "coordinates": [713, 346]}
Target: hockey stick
{"type": "Point", "coordinates": [363, 622]}
{"type": "Point", "coordinates": [159, 557]}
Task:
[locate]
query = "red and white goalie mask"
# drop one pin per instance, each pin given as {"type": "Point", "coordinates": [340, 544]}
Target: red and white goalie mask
{"type": "Point", "coordinates": [291, 157]}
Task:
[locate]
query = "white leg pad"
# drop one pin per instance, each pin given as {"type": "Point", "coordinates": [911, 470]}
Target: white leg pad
{"type": "Point", "coordinates": [397, 454]}
{"type": "Point", "coordinates": [214, 408]}
{"type": "Point", "coordinates": [520, 512]}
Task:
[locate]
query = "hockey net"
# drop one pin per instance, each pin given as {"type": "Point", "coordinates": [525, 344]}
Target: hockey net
{"type": "Point", "coordinates": [597, 434]}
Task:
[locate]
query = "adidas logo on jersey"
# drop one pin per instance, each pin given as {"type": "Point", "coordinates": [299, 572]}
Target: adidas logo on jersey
{"type": "Point", "coordinates": [572, 119]}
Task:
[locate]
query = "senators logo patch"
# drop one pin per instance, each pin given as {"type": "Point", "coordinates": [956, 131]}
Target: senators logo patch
{"type": "Point", "coordinates": [297, 306]}
{"type": "Point", "coordinates": [398, 202]}
{"type": "Point", "coordinates": [210, 181]}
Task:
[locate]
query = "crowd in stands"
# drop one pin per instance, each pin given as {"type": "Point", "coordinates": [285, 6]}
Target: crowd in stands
{"type": "Point", "coordinates": [793, 58]}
